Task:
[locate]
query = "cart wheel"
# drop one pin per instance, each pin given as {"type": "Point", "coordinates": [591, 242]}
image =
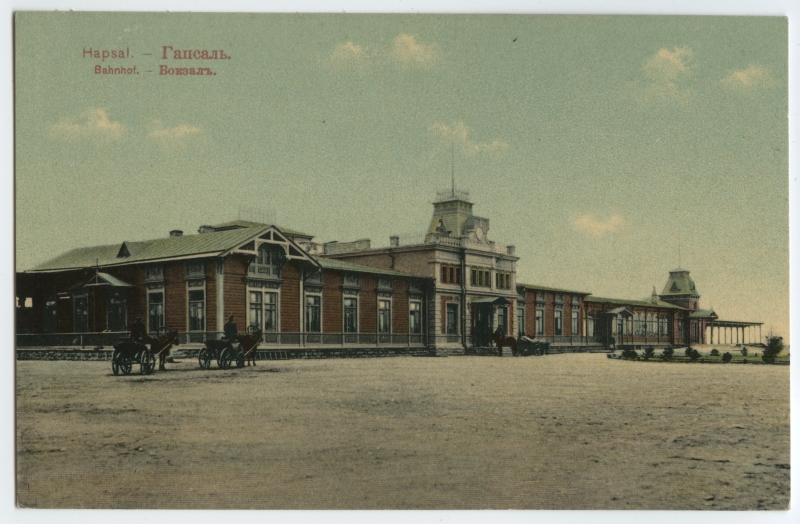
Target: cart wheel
{"type": "Point", "coordinates": [151, 365]}
{"type": "Point", "coordinates": [239, 357]}
{"type": "Point", "coordinates": [204, 358]}
{"type": "Point", "coordinates": [225, 359]}
{"type": "Point", "coordinates": [115, 363]}
{"type": "Point", "coordinates": [144, 362]}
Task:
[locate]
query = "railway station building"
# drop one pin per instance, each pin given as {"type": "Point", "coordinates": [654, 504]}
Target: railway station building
{"type": "Point", "coordinates": [443, 293]}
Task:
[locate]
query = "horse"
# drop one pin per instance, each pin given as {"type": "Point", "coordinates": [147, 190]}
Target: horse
{"type": "Point", "coordinates": [161, 345]}
{"type": "Point", "coordinates": [504, 341]}
{"type": "Point", "coordinates": [249, 342]}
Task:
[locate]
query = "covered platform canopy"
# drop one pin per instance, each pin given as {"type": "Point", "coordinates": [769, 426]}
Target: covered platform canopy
{"type": "Point", "coordinates": [734, 332]}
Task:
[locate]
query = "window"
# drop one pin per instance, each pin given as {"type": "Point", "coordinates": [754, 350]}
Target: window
{"type": "Point", "coordinates": [620, 325]}
{"type": "Point", "coordinates": [575, 330]}
{"type": "Point", "coordinates": [384, 316]}
{"type": "Point", "coordinates": [451, 274]}
{"type": "Point", "coordinates": [267, 262]}
{"type": "Point", "coordinates": [638, 324]}
{"type": "Point", "coordinates": [350, 315]}
{"type": "Point", "coordinates": [540, 321]}
{"type": "Point", "coordinates": [503, 280]}
{"type": "Point", "coordinates": [480, 277]}
{"type": "Point", "coordinates": [415, 317]}
{"type": "Point", "coordinates": [256, 309]}
{"type": "Point", "coordinates": [155, 311]}
{"type": "Point", "coordinates": [663, 326]}
{"type": "Point", "coordinates": [270, 312]}
{"type": "Point", "coordinates": [652, 325]}
{"type": "Point", "coordinates": [521, 321]}
{"type": "Point", "coordinates": [313, 313]}
{"type": "Point", "coordinates": [264, 310]}
{"type": "Point", "coordinates": [452, 319]}
{"type": "Point", "coordinates": [590, 326]}
{"type": "Point", "coordinates": [195, 269]}
{"type": "Point", "coordinates": [559, 322]}
{"type": "Point", "coordinates": [154, 273]}
{"type": "Point", "coordinates": [197, 313]}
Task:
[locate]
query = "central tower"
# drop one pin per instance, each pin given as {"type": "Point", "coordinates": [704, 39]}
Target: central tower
{"type": "Point", "coordinates": [452, 217]}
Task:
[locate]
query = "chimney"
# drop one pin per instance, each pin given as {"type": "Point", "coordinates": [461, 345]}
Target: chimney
{"type": "Point", "coordinates": [394, 241]}
{"type": "Point", "coordinates": [205, 229]}
{"type": "Point", "coordinates": [511, 250]}
{"type": "Point", "coordinates": [176, 233]}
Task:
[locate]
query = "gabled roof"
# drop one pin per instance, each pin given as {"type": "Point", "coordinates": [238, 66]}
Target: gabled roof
{"type": "Point", "coordinates": [637, 303]}
{"type": "Point", "coordinates": [238, 224]}
{"type": "Point", "coordinates": [209, 244]}
{"type": "Point", "coordinates": [545, 288]}
{"type": "Point", "coordinates": [339, 265]}
{"type": "Point", "coordinates": [104, 279]}
{"type": "Point", "coordinates": [703, 313]}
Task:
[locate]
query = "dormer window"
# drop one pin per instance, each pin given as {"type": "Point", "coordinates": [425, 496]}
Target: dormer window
{"type": "Point", "coordinates": [123, 252]}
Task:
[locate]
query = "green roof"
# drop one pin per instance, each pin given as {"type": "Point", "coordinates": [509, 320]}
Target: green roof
{"type": "Point", "coordinates": [330, 263]}
{"type": "Point", "coordinates": [639, 303]}
{"type": "Point", "coordinates": [238, 224]}
{"type": "Point", "coordinates": [148, 250]}
{"type": "Point", "coordinates": [703, 313]}
{"type": "Point", "coordinates": [545, 288]}
{"type": "Point", "coordinates": [679, 283]}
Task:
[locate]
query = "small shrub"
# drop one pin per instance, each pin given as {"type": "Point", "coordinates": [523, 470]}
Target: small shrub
{"type": "Point", "coordinates": [648, 353]}
{"type": "Point", "coordinates": [744, 352]}
{"type": "Point", "coordinates": [744, 361]}
{"type": "Point", "coordinates": [714, 353]}
{"type": "Point", "coordinates": [630, 354]}
{"type": "Point", "coordinates": [726, 357]}
{"type": "Point", "coordinates": [668, 354]}
{"type": "Point", "coordinates": [694, 355]}
{"type": "Point", "coordinates": [688, 352]}
{"type": "Point", "coordinates": [774, 346]}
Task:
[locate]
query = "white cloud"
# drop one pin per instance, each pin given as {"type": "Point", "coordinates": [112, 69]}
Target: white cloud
{"type": "Point", "coordinates": [458, 133]}
{"type": "Point", "coordinates": [407, 50]}
{"type": "Point", "coordinates": [749, 79]}
{"type": "Point", "coordinates": [91, 123]}
{"type": "Point", "coordinates": [587, 223]}
{"type": "Point", "coordinates": [665, 74]}
{"type": "Point", "coordinates": [173, 133]}
{"type": "Point", "coordinates": [668, 66]}
{"type": "Point", "coordinates": [349, 51]}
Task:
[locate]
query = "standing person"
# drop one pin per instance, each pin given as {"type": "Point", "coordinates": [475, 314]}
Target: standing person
{"type": "Point", "coordinates": [230, 331]}
{"type": "Point", "coordinates": [499, 337]}
{"type": "Point", "coordinates": [138, 331]}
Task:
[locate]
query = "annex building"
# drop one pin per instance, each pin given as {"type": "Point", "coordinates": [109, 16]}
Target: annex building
{"type": "Point", "coordinates": [446, 293]}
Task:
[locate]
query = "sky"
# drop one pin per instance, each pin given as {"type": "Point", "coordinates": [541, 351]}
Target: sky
{"type": "Point", "coordinates": [608, 150]}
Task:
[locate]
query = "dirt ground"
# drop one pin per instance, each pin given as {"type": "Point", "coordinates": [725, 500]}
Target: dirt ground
{"type": "Point", "coordinates": [554, 432]}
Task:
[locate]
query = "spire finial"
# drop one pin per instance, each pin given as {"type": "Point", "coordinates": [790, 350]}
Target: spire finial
{"type": "Point", "coordinates": [452, 169]}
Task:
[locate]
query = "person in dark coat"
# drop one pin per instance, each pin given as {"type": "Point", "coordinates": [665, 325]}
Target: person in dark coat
{"type": "Point", "coordinates": [230, 331]}
{"type": "Point", "coordinates": [499, 336]}
{"type": "Point", "coordinates": [138, 331]}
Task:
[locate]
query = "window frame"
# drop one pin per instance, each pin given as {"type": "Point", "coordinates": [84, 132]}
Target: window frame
{"type": "Point", "coordinates": [387, 311]}
{"type": "Point", "coordinates": [349, 309]}
{"type": "Point", "coordinates": [190, 310]}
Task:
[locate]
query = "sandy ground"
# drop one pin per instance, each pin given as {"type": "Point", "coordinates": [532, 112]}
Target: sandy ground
{"type": "Point", "coordinates": [553, 432]}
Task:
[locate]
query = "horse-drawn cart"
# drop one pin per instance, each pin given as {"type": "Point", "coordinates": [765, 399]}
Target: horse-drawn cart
{"type": "Point", "coordinates": [129, 352]}
{"type": "Point", "coordinates": [225, 354]}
